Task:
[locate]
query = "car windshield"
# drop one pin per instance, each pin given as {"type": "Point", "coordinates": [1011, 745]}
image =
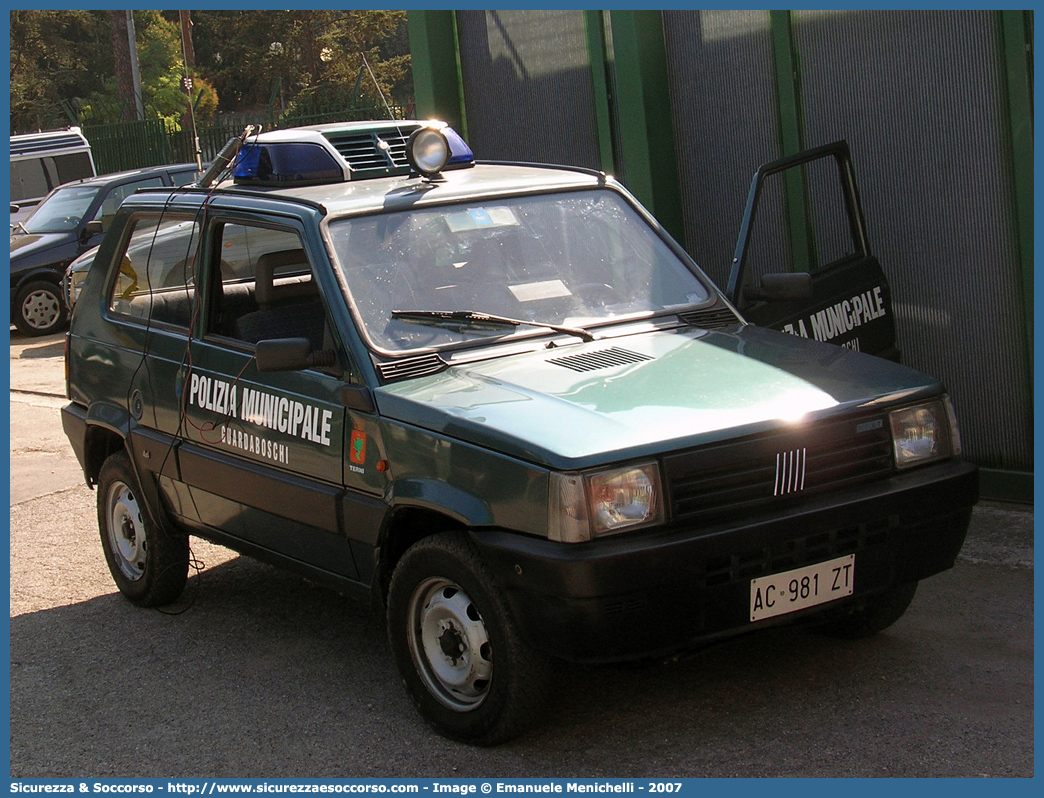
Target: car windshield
{"type": "Point", "coordinates": [566, 259]}
{"type": "Point", "coordinates": [62, 211]}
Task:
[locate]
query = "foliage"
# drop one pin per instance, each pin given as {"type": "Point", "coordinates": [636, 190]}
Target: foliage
{"type": "Point", "coordinates": [63, 69]}
{"type": "Point", "coordinates": [260, 58]}
{"type": "Point", "coordinates": [161, 69]}
{"type": "Point", "coordinates": [56, 57]}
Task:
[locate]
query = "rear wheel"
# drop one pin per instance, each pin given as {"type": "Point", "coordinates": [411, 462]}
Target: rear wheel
{"type": "Point", "coordinates": [40, 308]}
{"type": "Point", "coordinates": [456, 645]}
{"type": "Point", "coordinates": [874, 615]}
{"type": "Point", "coordinates": [148, 564]}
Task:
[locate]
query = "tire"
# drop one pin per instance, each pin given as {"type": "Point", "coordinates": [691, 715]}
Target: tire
{"type": "Point", "coordinates": [456, 646]}
{"type": "Point", "coordinates": [40, 308]}
{"type": "Point", "coordinates": [148, 564]}
{"type": "Point", "coordinates": [874, 615]}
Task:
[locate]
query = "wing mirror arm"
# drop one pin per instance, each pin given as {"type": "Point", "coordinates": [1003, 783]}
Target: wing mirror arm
{"type": "Point", "coordinates": [294, 354]}
{"type": "Point", "coordinates": [90, 230]}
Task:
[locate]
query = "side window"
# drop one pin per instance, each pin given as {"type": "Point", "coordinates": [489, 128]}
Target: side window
{"type": "Point", "coordinates": [28, 180]}
{"type": "Point", "coordinates": [155, 280]}
{"type": "Point", "coordinates": [184, 178]}
{"type": "Point", "coordinates": [267, 287]}
{"type": "Point", "coordinates": [73, 166]}
{"type": "Point", "coordinates": [116, 196]}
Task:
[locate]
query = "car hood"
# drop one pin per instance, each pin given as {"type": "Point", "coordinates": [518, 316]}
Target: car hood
{"type": "Point", "coordinates": [592, 403]}
{"type": "Point", "coordinates": [23, 246]}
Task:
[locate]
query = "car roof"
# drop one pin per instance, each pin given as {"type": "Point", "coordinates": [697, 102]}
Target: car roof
{"type": "Point", "coordinates": [479, 182]}
{"type": "Point", "coordinates": [365, 168]}
{"type": "Point", "coordinates": [130, 175]}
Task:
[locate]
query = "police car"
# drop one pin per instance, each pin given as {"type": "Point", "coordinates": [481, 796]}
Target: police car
{"type": "Point", "coordinates": [499, 401]}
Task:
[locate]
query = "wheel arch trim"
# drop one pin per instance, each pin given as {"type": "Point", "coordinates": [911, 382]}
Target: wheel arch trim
{"type": "Point", "coordinates": [441, 498]}
{"type": "Point", "coordinates": [106, 424]}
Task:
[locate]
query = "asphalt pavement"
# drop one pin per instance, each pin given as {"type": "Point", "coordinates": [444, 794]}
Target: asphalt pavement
{"type": "Point", "coordinates": [257, 673]}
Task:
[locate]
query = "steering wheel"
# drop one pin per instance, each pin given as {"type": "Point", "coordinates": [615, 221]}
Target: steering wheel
{"type": "Point", "coordinates": [598, 294]}
{"type": "Point", "coordinates": [409, 335]}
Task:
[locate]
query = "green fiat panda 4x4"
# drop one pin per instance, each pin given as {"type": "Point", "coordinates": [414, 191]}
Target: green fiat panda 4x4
{"type": "Point", "coordinates": [501, 402]}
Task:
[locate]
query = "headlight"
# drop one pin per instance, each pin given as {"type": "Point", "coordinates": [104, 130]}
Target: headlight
{"type": "Point", "coordinates": [583, 506]}
{"type": "Point", "coordinates": [923, 433]}
{"type": "Point", "coordinates": [74, 284]}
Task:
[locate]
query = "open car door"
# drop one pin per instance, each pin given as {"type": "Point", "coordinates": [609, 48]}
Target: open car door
{"type": "Point", "coordinates": [844, 300]}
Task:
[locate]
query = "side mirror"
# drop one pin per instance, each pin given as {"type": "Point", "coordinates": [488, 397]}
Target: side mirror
{"type": "Point", "coordinates": [90, 230]}
{"type": "Point", "coordinates": [14, 208]}
{"type": "Point", "coordinates": [780, 288]}
{"type": "Point", "coordinates": [291, 354]}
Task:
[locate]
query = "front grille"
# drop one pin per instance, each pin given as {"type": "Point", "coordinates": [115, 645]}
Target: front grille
{"type": "Point", "coordinates": [364, 153]}
{"type": "Point", "coordinates": [776, 467]}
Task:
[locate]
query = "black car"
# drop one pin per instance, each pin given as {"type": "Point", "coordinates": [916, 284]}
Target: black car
{"type": "Point", "coordinates": [68, 222]}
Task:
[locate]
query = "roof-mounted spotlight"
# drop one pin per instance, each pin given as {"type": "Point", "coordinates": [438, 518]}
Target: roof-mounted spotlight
{"type": "Point", "coordinates": [434, 147]}
{"type": "Point", "coordinates": [428, 151]}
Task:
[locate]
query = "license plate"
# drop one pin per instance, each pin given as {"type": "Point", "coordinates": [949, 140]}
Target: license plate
{"type": "Point", "coordinates": [795, 590]}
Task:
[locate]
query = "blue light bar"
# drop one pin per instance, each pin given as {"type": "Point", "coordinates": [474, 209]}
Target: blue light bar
{"type": "Point", "coordinates": [285, 163]}
{"type": "Point", "coordinates": [460, 152]}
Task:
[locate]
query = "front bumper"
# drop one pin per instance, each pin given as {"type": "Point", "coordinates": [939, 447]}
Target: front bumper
{"type": "Point", "coordinates": [657, 592]}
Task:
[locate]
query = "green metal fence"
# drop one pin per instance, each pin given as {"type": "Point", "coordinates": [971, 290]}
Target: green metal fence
{"type": "Point", "coordinates": [153, 142]}
{"type": "Point", "coordinates": [129, 145]}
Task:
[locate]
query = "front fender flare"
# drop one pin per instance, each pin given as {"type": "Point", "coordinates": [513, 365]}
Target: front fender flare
{"type": "Point", "coordinates": [440, 497]}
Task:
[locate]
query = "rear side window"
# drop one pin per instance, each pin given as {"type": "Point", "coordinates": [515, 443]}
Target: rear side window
{"type": "Point", "coordinates": [155, 281]}
{"type": "Point", "coordinates": [28, 180]}
{"type": "Point", "coordinates": [74, 166]}
{"type": "Point", "coordinates": [32, 179]}
{"type": "Point", "coordinates": [184, 178]}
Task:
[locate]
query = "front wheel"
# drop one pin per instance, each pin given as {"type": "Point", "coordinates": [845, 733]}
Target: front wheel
{"type": "Point", "coordinates": [148, 564]}
{"type": "Point", "coordinates": [40, 308]}
{"type": "Point", "coordinates": [874, 615]}
{"type": "Point", "coordinates": [456, 645]}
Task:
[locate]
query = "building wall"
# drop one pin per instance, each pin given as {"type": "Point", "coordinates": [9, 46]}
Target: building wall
{"type": "Point", "coordinates": [520, 69]}
{"type": "Point", "coordinates": [920, 97]}
{"type": "Point", "coordinates": [934, 104]}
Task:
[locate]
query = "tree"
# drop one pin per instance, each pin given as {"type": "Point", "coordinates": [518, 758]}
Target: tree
{"type": "Point", "coordinates": [56, 58]}
{"type": "Point", "coordinates": [161, 67]}
{"type": "Point", "coordinates": [124, 66]}
{"type": "Point", "coordinates": [64, 67]}
{"type": "Point", "coordinates": [300, 57]}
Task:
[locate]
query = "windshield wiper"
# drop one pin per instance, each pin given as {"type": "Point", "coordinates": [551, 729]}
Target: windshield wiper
{"type": "Point", "coordinates": [16, 225]}
{"type": "Point", "coordinates": [472, 318]}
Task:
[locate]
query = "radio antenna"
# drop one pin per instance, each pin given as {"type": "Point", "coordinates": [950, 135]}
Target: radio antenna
{"type": "Point", "coordinates": [378, 85]}
{"type": "Point", "coordinates": [186, 84]}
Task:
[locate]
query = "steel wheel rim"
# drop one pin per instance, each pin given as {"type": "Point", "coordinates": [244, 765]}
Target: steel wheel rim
{"type": "Point", "coordinates": [126, 531]}
{"type": "Point", "coordinates": [449, 644]}
{"type": "Point", "coordinates": [40, 309]}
